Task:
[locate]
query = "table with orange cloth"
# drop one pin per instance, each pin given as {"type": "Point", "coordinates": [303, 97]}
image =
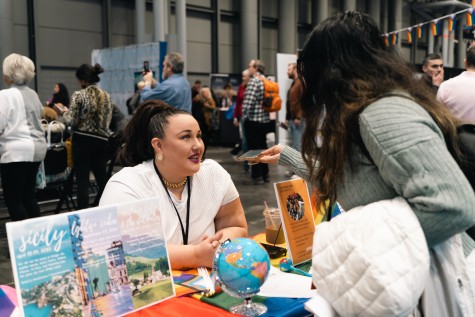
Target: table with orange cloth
{"type": "Point", "coordinates": [187, 301]}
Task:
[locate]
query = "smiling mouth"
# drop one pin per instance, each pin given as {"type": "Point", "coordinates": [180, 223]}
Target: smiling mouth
{"type": "Point", "coordinates": [194, 158]}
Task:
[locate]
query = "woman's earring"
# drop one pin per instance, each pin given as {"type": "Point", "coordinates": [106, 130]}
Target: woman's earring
{"type": "Point", "coordinates": [159, 157]}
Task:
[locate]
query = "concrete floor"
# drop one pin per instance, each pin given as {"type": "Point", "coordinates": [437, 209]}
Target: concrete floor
{"type": "Point", "coordinates": [252, 197]}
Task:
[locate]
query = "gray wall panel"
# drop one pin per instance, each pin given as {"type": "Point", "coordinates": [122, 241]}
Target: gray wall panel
{"type": "Point", "coordinates": [20, 39]}
{"type": "Point", "coordinates": [20, 12]}
{"type": "Point", "coordinates": [75, 47]}
{"type": "Point", "coordinates": [75, 15]}
{"type": "Point", "coordinates": [49, 77]}
{"type": "Point", "coordinates": [199, 57]}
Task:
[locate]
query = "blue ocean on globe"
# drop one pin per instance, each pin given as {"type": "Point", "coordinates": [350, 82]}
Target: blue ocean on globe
{"type": "Point", "coordinates": [241, 266]}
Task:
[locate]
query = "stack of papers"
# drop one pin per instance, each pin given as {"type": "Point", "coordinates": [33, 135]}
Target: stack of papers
{"type": "Point", "coordinates": [281, 284]}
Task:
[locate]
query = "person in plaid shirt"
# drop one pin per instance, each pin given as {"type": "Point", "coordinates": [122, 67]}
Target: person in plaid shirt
{"type": "Point", "coordinates": [256, 120]}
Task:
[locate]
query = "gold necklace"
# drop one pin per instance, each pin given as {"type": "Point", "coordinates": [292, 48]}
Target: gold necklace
{"type": "Point", "coordinates": [174, 185]}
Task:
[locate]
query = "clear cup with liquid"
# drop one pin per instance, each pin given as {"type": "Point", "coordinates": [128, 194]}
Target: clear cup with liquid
{"type": "Point", "coordinates": [274, 230]}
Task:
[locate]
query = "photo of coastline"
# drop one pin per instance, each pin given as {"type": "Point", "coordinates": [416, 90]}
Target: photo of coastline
{"type": "Point", "coordinates": [103, 261]}
{"type": "Point", "coordinates": [100, 262]}
{"type": "Point", "coordinates": [45, 269]}
{"type": "Point", "coordinates": [146, 254]}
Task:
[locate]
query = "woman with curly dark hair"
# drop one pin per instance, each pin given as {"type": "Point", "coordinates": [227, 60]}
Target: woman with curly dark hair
{"type": "Point", "coordinates": [383, 135]}
{"type": "Point", "coordinates": [199, 205]}
{"type": "Point", "coordinates": [89, 116]}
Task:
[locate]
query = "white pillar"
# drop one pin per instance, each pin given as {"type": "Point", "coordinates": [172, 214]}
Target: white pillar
{"type": "Point", "coordinates": [349, 5]}
{"type": "Point", "coordinates": [287, 26]}
{"type": "Point", "coordinates": [140, 21]}
{"type": "Point", "coordinates": [430, 42]}
{"type": "Point", "coordinates": [180, 10]}
{"type": "Point", "coordinates": [159, 20]}
{"type": "Point", "coordinates": [249, 31]}
{"type": "Point", "coordinates": [461, 47]}
{"type": "Point", "coordinates": [319, 11]}
{"type": "Point", "coordinates": [6, 31]}
{"type": "Point", "coordinates": [375, 11]}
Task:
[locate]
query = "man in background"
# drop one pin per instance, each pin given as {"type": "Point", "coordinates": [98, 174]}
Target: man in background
{"type": "Point", "coordinates": [433, 68]}
{"type": "Point", "coordinates": [175, 89]}
{"type": "Point", "coordinates": [458, 93]}
{"type": "Point", "coordinates": [293, 116]}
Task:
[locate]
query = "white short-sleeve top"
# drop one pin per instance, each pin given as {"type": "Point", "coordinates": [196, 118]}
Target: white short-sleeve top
{"type": "Point", "coordinates": [211, 188]}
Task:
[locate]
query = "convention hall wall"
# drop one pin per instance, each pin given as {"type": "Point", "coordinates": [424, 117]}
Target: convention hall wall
{"type": "Point", "coordinates": [66, 31]}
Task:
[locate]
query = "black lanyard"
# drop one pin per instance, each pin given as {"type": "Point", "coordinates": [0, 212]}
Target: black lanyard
{"type": "Point", "coordinates": [184, 232]}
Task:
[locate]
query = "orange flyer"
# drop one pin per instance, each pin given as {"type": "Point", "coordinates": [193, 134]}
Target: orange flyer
{"type": "Point", "coordinates": [297, 218]}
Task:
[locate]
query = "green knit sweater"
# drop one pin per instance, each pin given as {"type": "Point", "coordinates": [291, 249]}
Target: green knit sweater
{"type": "Point", "coordinates": [411, 160]}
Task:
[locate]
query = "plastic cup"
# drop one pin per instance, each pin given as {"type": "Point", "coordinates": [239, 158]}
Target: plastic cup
{"type": "Point", "coordinates": [274, 230]}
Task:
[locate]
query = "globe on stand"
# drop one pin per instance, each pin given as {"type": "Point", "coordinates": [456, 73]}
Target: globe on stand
{"type": "Point", "coordinates": [241, 267]}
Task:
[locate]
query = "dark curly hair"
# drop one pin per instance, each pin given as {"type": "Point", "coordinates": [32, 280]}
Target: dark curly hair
{"type": "Point", "coordinates": [345, 66]}
{"type": "Point", "coordinates": [149, 121]}
{"type": "Point", "coordinates": [89, 73]}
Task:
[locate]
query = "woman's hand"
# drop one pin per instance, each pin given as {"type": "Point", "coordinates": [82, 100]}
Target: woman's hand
{"type": "Point", "coordinates": [272, 155]}
{"type": "Point", "coordinates": [204, 251]}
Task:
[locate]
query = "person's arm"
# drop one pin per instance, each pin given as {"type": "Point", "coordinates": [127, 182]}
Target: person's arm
{"type": "Point", "coordinates": [192, 256]}
{"type": "Point", "coordinates": [4, 111]}
{"type": "Point", "coordinates": [231, 220]}
{"type": "Point", "coordinates": [410, 152]}
{"type": "Point", "coordinates": [286, 156]}
{"type": "Point", "coordinates": [153, 90]}
{"type": "Point", "coordinates": [71, 117]}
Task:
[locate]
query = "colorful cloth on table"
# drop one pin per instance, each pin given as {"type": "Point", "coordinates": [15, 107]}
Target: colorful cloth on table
{"type": "Point", "coordinates": [179, 307]}
{"type": "Point", "coordinates": [8, 300]}
{"type": "Point", "coordinates": [276, 306]}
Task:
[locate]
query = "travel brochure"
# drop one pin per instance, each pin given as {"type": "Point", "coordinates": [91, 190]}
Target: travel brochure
{"type": "Point", "coordinates": [297, 217]}
{"type": "Point", "coordinates": [103, 261]}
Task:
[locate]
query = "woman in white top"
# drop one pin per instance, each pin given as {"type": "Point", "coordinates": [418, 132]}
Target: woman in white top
{"type": "Point", "coordinates": [22, 140]}
{"type": "Point", "coordinates": [199, 203]}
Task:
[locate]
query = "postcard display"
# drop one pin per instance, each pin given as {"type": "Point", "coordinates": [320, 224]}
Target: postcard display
{"type": "Point", "coordinates": [104, 261]}
{"type": "Point", "coordinates": [298, 222]}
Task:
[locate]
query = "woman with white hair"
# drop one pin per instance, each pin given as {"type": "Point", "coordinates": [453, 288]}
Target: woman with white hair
{"type": "Point", "coordinates": [22, 140]}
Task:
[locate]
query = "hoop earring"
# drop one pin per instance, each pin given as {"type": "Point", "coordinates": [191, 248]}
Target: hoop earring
{"type": "Point", "coordinates": [159, 157]}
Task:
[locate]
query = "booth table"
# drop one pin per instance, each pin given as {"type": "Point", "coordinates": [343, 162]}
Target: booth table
{"type": "Point", "coordinates": [189, 302]}
{"type": "Point", "coordinates": [197, 305]}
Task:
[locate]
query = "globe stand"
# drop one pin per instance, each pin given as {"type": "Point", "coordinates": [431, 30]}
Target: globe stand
{"type": "Point", "coordinates": [248, 308]}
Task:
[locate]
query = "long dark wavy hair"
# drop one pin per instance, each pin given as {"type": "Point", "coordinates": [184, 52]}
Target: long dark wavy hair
{"type": "Point", "coordinates": [62, 96]}
{"type": "Point", "coordinates": [344, 66]}
{"type": "Point", "coordinates": [149, 121]}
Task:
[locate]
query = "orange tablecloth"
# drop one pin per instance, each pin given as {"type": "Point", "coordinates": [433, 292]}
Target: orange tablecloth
{"type": "Point", "coordinates": [179, 307]}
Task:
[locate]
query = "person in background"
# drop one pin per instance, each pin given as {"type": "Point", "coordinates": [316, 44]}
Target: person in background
{"type": "Point", "coordinates": [60, 100]}
{"type": "Point", "coordinates": [458, 93]}
{"type": "Point", "coordinates": [384, 136]}
{"type": "Point", "coordinates": [134, 102]}
{"type": "Point", "coordinates": [293, 117]}
{"type": "Point", "coordinates": [209, 106]}
{"type": "Point", "coordinates": [175, 89]}
{"type": "Point", "coordinates": [228, 95]}
{"type": "Point", "coordinates": [198, 114]}
{"type": "Point", "coordinates": [199, 204]}
{"type": "Point", "coordinates": [197, 84]}
{"type": "Point", "coordinates": [22, 139]}
{"type": "Point", "coordinates": [89, 116]}
{"type": "Point", "coordinates": [237, 118]}
{"type": "Point", "coordinates": [433, 69]}
{"type": "Point", "coordinates": [256, 120]}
